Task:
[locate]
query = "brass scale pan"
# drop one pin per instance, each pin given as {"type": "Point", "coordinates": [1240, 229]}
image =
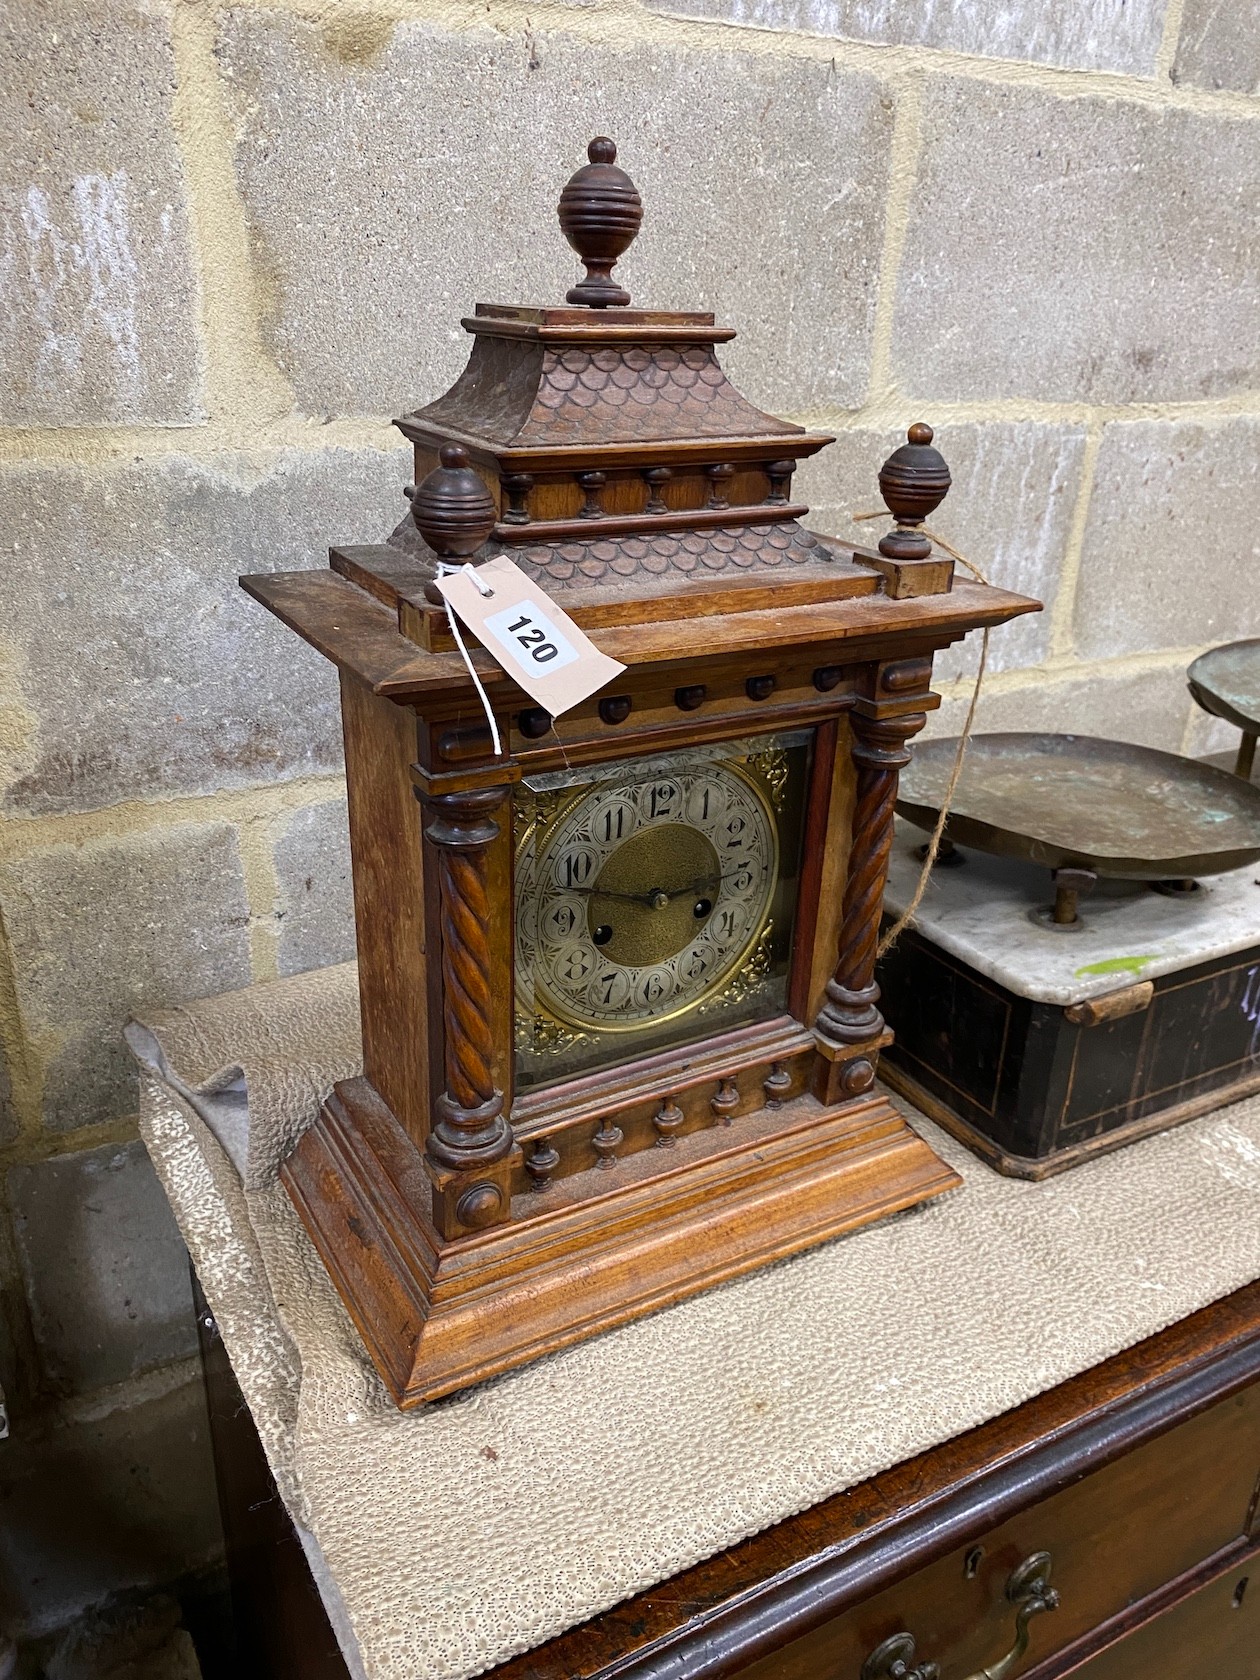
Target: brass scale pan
{"type": "Point", "coordinates": [1077, 802]}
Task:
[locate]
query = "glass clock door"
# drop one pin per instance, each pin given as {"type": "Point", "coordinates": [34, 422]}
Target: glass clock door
{"type": "Point", "coordinates": [655, 900]}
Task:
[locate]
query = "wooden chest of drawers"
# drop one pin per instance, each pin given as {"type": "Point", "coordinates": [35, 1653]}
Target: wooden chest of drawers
{"type": "Point", "coordinates": [1141, 1530]}
{"type": "Point", "coordinates": [1115, 1519]}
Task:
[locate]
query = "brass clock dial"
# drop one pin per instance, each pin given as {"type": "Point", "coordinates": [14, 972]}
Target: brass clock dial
{"type": "Point", "coordinates": [649, 894]}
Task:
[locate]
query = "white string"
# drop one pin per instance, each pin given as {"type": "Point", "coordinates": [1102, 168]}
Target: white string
{"type": "Point", "coordinates": [483, 588]}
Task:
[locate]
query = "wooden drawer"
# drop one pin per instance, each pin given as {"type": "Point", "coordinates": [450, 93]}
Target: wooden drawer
{"type": "Point", "coordinates": [1115, 1536]}
{"type": "Point", "coordinates": [1212, 1635]}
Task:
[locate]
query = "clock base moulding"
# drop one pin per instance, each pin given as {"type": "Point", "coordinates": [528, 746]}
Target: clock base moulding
{"type": "Point", "coordinates": [438, 1315]}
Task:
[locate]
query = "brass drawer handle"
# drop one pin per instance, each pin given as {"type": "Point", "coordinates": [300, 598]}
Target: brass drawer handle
{"type": "Point", "coordinates": [1027, 1588]}
{"type": "Point", "coordinates": [892, 1659]}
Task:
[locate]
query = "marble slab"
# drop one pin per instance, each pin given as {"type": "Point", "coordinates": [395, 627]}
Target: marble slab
{"type": "Point", "coordinates": [978, 911]}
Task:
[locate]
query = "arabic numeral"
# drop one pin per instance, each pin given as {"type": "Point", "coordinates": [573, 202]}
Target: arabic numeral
{"type": "Point", "coordinates": [705, 803]}
{"type": "Point", "coordinates": [576, 963]}
{"type": "Point", "coordinates": [576, 867]}
{"type": "Point", "coordinates": [533, 640]}
{"type": "Point", "coordinates": [724, 925]}
{"type": "Point", "coordinates": [562, 920]}
{"type": "Point", "coordinates": [662, 799]}
{"type": "Point", "coordinates": [613, 822]}
{"type": "Point", "coordinates": [653, 987]}
{"type": "Point", "coordinates": [609, 989]}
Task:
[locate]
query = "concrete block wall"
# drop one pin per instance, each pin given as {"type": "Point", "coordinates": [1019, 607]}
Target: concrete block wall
{"type": "Point", "coordinates": [235, 240]}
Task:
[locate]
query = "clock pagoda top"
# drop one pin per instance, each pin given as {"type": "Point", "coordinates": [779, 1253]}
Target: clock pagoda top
{"type": "Point", "coordinates": [603, 448]}
{"type": "Point", "coordinates": [599, 374]}
{"type": "Point", "coordinates": [609, 443]}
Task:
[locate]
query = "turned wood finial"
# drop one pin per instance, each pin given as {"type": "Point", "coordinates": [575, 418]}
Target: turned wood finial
{"type": "Point", "coordinates": [453, 510]}
{"type": "Point", "coordinates": [600, 211]}
{"type": "Point", "coordinates": [913, 481]}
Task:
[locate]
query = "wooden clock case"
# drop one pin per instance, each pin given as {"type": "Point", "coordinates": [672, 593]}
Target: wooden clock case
{"type": "Point", "coordinates": [468, 1227]}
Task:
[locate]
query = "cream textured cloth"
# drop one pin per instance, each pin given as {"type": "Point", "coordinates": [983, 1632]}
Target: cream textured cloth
{"type": "Point", "coordinates": [452, 1538]}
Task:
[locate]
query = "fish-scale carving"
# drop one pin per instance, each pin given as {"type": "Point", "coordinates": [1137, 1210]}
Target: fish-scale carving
{"type": "Point", "coordinates": [577, 565]}
{"type": "Point", "coordinates": [639, 390]}
{"type": "Point", "coordinates": [546, 395]}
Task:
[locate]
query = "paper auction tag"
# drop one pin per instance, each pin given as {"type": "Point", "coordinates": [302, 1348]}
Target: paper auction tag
{"type": "Point", "coordinates": [537, 644]}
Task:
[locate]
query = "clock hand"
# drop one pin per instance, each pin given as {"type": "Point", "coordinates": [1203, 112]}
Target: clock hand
{"type": "Point", "coordinates": [706, 882]}
{"type": "Point", "coordinates": [607, 892]}
{"type": "Point", "coordinates": [658, 895]}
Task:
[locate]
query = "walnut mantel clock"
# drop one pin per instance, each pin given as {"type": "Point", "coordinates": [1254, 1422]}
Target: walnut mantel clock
{"type": "Point", "coordinates": [620, 1022]}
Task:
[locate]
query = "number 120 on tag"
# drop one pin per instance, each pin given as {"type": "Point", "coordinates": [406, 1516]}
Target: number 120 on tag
{"type": "Point", "coordinates": [530, 638]}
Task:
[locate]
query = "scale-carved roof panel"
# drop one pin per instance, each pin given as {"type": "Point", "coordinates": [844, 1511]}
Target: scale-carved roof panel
{"type": "Point", "coordinates": [729, 549]}
{"type": "Point", "coordinates": [648, 556]}
{"type": "Point", "coordinates": [526, 395]}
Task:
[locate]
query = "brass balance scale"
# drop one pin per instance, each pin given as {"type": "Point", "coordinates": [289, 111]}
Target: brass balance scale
{"type": "Point", "coordinates": [1040, 1050]}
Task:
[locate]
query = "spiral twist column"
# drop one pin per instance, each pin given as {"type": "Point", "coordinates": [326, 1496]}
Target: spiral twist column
{"type": "Point", "coordinates": [850, 1015]}
{"type": "Point", "coordinates": [470, 1130]}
